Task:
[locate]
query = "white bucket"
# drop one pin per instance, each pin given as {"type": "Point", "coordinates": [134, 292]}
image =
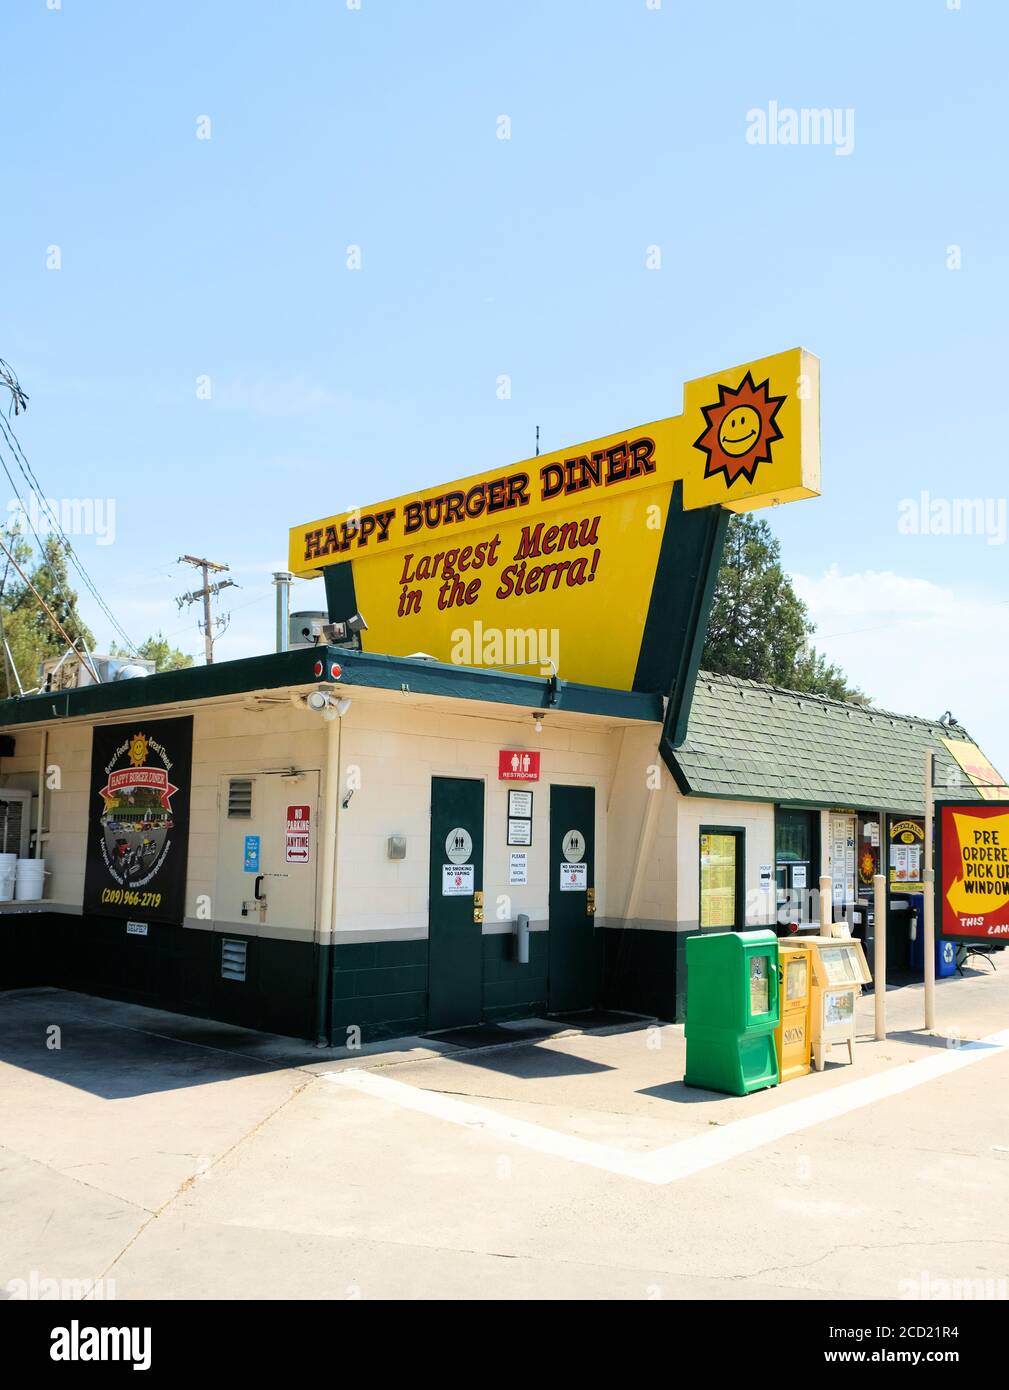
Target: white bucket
{"type": "Point", "coordinates": [8, 868]}
{"type": "Point", "coordinates": [30, 879]}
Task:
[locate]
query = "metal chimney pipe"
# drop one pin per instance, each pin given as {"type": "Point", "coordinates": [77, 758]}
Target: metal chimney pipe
{"type": "Point", "coordinates": [282, 579]}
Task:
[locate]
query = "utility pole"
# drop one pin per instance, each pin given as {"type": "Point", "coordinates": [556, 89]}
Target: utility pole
{"type": "Point", "coordinates": [207, 567]}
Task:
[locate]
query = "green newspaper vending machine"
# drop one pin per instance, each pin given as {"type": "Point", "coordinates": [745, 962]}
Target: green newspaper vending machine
{"type": "Point", "coordinates": [732, 1011]}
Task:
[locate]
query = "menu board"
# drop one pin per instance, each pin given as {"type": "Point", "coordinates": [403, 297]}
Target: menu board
{"type": "Point", "coordinates": [907, 846]}
{"type": "Point", "coordinates": [718, 881]}
{"type": "Point", "coordinates": [842, 858]}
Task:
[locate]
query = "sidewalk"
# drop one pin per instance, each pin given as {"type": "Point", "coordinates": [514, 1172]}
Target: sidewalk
{"type": "Point", "coordinates": [183, 1159]}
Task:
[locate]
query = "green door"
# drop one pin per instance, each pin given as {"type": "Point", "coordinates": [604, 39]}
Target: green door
{"type": "Point", "coordinates": [455, 944]}
{"type": "Point", "coordinates": [572, 983]}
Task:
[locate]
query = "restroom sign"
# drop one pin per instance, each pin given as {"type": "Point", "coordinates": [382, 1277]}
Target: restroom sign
{"type": "Point", "coordinates": [518, 765]}
{"type": "Point", "coordinates": [299, 821]}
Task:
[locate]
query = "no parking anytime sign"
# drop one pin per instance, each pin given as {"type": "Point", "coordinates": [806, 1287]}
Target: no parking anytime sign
{"type": "Point", "coordinates": [299, 835]}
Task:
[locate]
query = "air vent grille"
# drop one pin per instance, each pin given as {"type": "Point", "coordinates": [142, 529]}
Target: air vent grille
{"type": "Point", "coordinates": [233, 955]}
{"type": "Point", "coordinates": [240, 798]}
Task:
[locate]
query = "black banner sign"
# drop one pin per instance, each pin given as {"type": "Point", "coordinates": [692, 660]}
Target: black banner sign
{"type": "Point", "coordinates": [138, 820]}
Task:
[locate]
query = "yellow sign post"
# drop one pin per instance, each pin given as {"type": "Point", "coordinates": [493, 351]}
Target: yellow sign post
{"type": "Point", "coordinates": [586, 561]}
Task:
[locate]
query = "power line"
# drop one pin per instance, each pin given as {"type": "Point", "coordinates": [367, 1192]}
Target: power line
{"type": "Point", "coordinates": [71, 642]}
{"type": "Point", "coordinates": [28, 474]}
{"type": "Point", "coordinates": [19, 396]}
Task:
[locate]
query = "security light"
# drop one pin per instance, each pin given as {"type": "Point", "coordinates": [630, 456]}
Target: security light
{"type": "Point", "coordinates": [345, 633]}
{"type": "Point", "coordinates": [322, 702]}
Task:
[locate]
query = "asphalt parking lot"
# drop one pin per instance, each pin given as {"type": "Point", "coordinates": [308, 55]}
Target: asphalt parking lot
{"type": "Point", "coordinates": [155, 1156]}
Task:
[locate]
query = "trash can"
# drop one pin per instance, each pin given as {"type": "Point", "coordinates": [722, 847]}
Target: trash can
{"type": "Point", "coordinates": [791, 1037]}
{"type": "Point", "coordinates": [732, 1011]}
{"type": "Point", "coordinates": [945, 951]}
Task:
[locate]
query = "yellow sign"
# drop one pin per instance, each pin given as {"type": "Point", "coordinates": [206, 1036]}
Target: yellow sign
{"type": "Point", "coordinates": [989, 782]}
{"type": "Point", "coordinates": [562, 562]}
{"type": "Point", "coordinates": [907, 855]}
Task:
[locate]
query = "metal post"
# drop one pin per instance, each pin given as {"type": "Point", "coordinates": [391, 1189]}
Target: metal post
{"type": "Point", "coordinates": [43, 752]}
{"type": "Point", "coordinates": [879, 953]}
{"type": "Point", "coordinates": [282, 580]}
{"type": "Point", "coordinates": [826, 905]}
{"type": "Point", "coordinates": [327, 883]}
{"type": "Point", "coordinates": [928, 878]}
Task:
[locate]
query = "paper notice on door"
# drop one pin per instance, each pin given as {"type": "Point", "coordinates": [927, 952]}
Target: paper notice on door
{"type": "Point", "coordinates": [574, 878]}
{"type": "Point", "coordinates": [518, 867]}
{"type": "Point", "coordinates": [457, 880]}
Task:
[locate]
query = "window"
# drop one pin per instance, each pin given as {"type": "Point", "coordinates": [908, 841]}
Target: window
{"type": "Point", "coordinates": [797, 864]}
{"type": "Point", "coordinates": [722, 878]}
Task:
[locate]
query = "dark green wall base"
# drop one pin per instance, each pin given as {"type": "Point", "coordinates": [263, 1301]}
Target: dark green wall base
{"type": "Point", "coordinates": [379, 988]}
{"type": "Point", "coordinates": [640, 971]}
{"type": "Point", "coordinates": [511, 990]}
{"type": "Point", "coordinates": [171, 967]}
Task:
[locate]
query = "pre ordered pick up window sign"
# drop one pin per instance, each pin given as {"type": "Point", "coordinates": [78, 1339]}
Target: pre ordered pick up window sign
{"type": "Point", "coordinates": [721, 867]}
{"type": "Point", "coordinates": [972, 876]}
{"type": "Point", "coordinates": [138, 820]}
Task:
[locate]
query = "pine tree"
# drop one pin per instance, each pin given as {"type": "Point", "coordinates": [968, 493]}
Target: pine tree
{"type": "Point", "coordinates": [29, 632]}
{"type": "Point", "coordinates": [759, 627]}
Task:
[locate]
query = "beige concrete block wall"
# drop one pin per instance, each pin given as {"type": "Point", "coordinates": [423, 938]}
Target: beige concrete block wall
{"type": "Point", "coordinates": [757, 820]}
{"type": "Point", "coordinates": [395, 748]}
{"type": "Point", "coordinates": [390, 748]}
{"type": "Point", "coordinates": [227, 739]}
{"type": "Point", "coordinates": [230, 740]}
{"type": "Point", "coordinates": [641, 836]}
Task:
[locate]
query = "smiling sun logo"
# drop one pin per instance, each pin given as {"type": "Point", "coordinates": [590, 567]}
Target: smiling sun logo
{"type": "Point", "coordinates": [740, 430]}
{"type": "Point", "coordinates": [138, 750]}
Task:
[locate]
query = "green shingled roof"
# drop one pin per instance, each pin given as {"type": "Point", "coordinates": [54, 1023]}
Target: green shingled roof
{"type": "Point", "coordinates": [755, 742]}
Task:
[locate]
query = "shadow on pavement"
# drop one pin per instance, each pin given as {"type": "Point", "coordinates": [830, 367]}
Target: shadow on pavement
{"type": "Point", "coordinates": [100, 1053]}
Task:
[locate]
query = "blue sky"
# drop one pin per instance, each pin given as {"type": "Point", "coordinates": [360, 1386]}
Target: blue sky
{"type": "Point", "coordinates": [377, 127]}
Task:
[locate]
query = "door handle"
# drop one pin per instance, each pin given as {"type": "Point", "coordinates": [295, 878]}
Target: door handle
{"type": "Point", "coordinates": [255, 891]}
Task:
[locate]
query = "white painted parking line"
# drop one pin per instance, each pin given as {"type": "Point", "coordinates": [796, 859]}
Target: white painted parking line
{"type": "Point", "coordinates": [686, 1156]}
